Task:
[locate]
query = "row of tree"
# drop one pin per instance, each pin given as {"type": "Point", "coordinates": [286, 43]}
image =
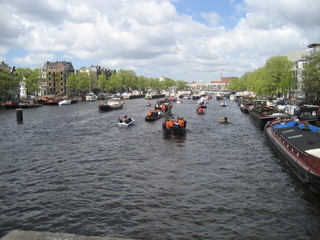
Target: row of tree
{"type": "Point", "coordinates": [82, 82]}
{"type": "Point", "coordinates": [10, 81]}
{"type": "Point", "coordinates": [122, 81]}
{"type": "Point", "coordinates": [276, 78]}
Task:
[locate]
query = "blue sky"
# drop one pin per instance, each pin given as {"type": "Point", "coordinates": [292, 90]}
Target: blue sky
{"type": "Point", "coordinates": [226, 10]}
{"type": "Point", "coordinates": [191, 40]}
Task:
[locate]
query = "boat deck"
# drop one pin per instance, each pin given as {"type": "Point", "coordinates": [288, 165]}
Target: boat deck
{"type": "Point", "coordinates": [304, 140]}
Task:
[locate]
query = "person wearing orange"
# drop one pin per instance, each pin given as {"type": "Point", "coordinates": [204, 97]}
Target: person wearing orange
{"type": "Point", "coordinates": [171, 123]}
{"type": "Point", "coordinates": [168, 124]}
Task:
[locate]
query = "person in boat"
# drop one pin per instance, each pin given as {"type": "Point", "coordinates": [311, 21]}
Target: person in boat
{"type": "Point", "coordinates": [225, 119]}
{"type": "Point", "coordinates": [127, 118]}
{"type": "Point", "coordinates": [182, 123]}
{"type": "Point", "coordinates": [176, 124]}
{"type": "Point", "coordinates": [168, 124]}
{"type": "Point", "coordinates": [200, 109]}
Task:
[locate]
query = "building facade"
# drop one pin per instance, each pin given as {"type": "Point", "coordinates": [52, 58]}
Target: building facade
{"type": "Point", "coordinates": [56, 74]}
{"type": "Point", "coordinates": [94, 72]}
{"type": "Point", "coordinates": [220, 85]}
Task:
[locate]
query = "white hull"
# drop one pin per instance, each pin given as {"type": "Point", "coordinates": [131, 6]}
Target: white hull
{"type": "Point", "coordinates": [65, 102]}
{"type": "Point", "coordinates": [123, 124]}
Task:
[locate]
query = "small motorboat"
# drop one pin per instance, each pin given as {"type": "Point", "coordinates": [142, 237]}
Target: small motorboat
{"type": "Point", "coordinates": [153, 115]}
{"type": "Point", "coordinates": [223, 104]}
{"type": "Point", "coordinates": [201, 110]}
{"type": "Point", "coordinates": [65, 102]}
{"type": "Point", "coordinates": [127, 121]}
{"type": "Point", "coordinates": [224, 120]}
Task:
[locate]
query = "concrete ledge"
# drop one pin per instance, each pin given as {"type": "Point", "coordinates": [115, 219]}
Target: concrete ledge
{"type": "Point", "coordinates": [32, 235]}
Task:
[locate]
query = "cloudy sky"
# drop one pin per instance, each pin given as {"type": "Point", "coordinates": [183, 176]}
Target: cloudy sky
{"type": "Point", "coordinates": [191, 40]}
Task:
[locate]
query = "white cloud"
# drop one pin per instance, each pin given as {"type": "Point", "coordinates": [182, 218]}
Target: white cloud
{"type": "Point", "coordinates": [151, 38]}
{"type": "Point", "coordinates": [33, 59]}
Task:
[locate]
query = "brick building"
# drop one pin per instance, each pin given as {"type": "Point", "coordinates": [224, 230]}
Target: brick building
{"type": "Point", "coordinates": [56, 74]}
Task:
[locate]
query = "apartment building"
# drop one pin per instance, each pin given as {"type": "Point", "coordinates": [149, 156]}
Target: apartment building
{"type": "Point", "coordinates": [56, 74]}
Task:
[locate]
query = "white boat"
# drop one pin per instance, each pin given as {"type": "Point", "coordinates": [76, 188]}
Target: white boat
{"type": "Point", "coordinates": [126, 123]}
{"type": "Point", "coordinates": [223, 104]}
{"type": "Point", "coordinates": [111, 104]}
{"type": "Point", "coordinates": [91, 97]}
{"type": "Point", "coordinates": [65, 102]}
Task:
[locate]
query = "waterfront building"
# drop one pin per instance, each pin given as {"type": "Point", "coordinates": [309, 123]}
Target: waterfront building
{"type": "Point", "coordinates": [299, 59]}
{"type": "Point", "coordinates": [94, 72]}
{"type": "Point", "coordinates": [219, 85]}
{"type": "Point", "coordinates": [56, 74]}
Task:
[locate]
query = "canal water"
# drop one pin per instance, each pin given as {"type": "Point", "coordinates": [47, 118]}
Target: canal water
{"type": "Point", "coordinates": [70, 169]}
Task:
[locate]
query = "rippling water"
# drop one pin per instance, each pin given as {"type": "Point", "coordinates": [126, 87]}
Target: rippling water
{"type": "Point", "coordinates": [70, 169]}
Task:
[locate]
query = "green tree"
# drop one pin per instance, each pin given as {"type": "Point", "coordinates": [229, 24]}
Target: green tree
{"type": "Point", "coordinates": [114, 83]}
{"type": "Point", "coordinates": [102, 82]}
{"type": "Point", "coordinates": [181, 84]}
{"type": "Point", "coordinates": [9, 84]}
{"type": "Point", "coordinates": [168, 82]}
{"type": "Point", "coordinates": [72, 83]}
{"type": "Point", "coordinates": [83, 82]}
{"type": "Point", "coordinates": [142, 83]}
{"type": "Point", "coordinates": [279, 75]}
{"type": "Point", "coordinates": [33, 80]}
{"type": "Point", "coordinates": [311, 78]}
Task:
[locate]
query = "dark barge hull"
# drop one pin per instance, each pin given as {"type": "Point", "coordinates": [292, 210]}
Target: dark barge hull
{"type": "Point", "coordinates": [291, 155]}
{"type": "Point", "coordinates": [108, 108]}
{"type": "Point", "coordinates": [260, 121]}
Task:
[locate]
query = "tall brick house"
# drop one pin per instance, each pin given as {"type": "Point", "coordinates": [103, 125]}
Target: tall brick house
{"type": "Point", "coordinates": [56, 74]}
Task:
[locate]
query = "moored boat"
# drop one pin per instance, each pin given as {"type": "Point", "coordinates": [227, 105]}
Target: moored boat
{"type": "Point", "coordinates": [65, 102]}
{"type": "Point", "coordinates": [260, 114]}
{"type": "Point", "coordinates": [111, 104]}
{"type": "Point", "coordinates": [246, 106]}
{"type": "Point", "coordinates": [91, 97]}
{"type": "Point", "coordinates": [12, 104]}
{"type": "Point", "coordinates": [299, 145]}
{"type": "Point", "coordinates": [153, 95]}
{"type": "Point", "coordinates": [52, 102]}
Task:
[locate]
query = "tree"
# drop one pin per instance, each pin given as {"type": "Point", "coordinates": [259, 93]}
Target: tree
{"type": "Point", "coordinates": [181, 84]}
{"type": "Point", "coordinates": [311, 78]}
{"type": "Point", "coordinates": [9, 83]}
{"type": "Point", "coordinates": [102, 82]}
{"type": "Point", "coordinates": [72, 82]}
{"type": "Point", "coordinates": [114, 83]}
{"type": "Point", "coordinates": [33, 81]}
{"type": "Point", "coordinates": [279, 75]}
{"type": "Point", "coordinates": [83, 82]}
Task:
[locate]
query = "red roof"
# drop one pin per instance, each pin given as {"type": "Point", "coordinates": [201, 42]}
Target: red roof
{"type": "Point", "coordinates": [224, 80]}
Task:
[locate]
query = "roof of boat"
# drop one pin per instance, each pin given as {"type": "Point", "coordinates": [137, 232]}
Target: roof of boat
{"type": "Point", "coordinates": [304, 140]}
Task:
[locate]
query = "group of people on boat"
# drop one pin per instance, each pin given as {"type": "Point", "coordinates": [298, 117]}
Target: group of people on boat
{"type": "Point", "coordinates": [164, 105]}
{"type": "Point", "coordinates": [174, 126]}
{"type": "Point", "coordinates": [125, 119]}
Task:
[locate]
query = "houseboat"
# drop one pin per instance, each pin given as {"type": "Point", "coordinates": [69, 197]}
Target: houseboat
{"type": "Point", "coordinates": [299, 145]}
